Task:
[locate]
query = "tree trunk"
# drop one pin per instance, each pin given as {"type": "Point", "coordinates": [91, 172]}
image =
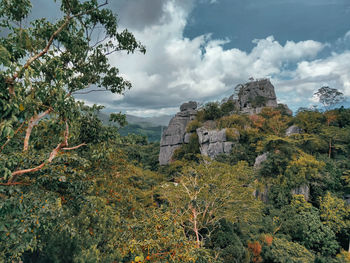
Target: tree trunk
{"type": "Point", "coordinates": [195, 227]}
{"type": "Point", "coordinates": [32, 122]}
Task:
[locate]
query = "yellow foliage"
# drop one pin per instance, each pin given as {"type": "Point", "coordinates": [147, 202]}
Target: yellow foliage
{"type": "Point", "coordinates": [233, 121]}
{"type": "Point", "coordinates": [232, 134]}
{"type": "Point", "coordinates": [343, 257]}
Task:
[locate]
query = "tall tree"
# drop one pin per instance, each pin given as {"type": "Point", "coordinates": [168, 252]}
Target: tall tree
{"type": "Point", "coordinates": [329, 97]}
{"type": "Point", "coordinates": [206, 193]}
{"type": "Point", "coordinates": [44, 64]}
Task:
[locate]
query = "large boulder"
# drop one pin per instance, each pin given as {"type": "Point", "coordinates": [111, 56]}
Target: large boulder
{"type": "Point", "coordinates": [293, 130]}
{"type": "Point", "coordinates": [191, 105]}
{"type": "Point", "coordinates": [260, 159]}
{"type": "Point", "coordinates": [257, 94]}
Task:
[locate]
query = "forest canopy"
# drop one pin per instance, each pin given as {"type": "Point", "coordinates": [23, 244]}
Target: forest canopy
{"type": "Point", "coordinates": [74, 190]}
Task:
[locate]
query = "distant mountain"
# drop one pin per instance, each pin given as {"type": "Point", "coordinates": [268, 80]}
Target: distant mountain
{"type": "Point", "coordinates": [149, 121]}
{"type": "Point", "coordinates": [151, 127]}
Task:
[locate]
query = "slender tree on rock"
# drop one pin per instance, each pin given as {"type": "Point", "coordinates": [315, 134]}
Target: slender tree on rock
{"type": "Point", "coordinates": [329, 97]}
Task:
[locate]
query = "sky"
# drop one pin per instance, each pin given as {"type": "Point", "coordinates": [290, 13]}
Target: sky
{"type": "Point", "coordinates": [201, 49]}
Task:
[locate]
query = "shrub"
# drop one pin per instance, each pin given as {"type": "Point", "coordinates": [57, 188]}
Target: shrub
{"type": "Point", "coordinates": [283, 251]}
{"type": "Point", "coordinates": [193, 125]}
{"type": "Point", "coordinates": [227, 107]}
{"type": "Point", "coordinates": [212, 111]}
{"type": "Point", "coordinates": [188, 151]}
{"type": "Point", "coordinates": [233, 121]}
{"type": "Point", "coordinates": [232, 134]}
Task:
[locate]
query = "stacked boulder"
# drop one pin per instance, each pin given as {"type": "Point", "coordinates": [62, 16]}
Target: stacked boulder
{"type": "Point", "coordinates": [213, 142]}
{"type": "Point", "coordinates": [174, 136]}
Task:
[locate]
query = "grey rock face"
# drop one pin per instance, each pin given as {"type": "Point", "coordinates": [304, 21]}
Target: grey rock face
{"type": "Point", "coordinates": [228, 147]}
{"type": "Point", "coordinates": [263, 194]}
{"type": "Point", "coordinates": [174, 136]}
{"type": "Point", "coordinates": [166, 153]}
{"type": "Point", "coordinates": [302, 190]}
{"type": "Point", "coordinates": [187, 137]}
{"type": "Point", "coordinates": [191, 105]}
{"type": "Point", "coordinates": [255, 95]}
{"type": "Point", "coordinates": [293, 130]}
{"type": "Point", "coordinates": [260, 159]}
{"type": "Point", "coordinates": [213, 142]}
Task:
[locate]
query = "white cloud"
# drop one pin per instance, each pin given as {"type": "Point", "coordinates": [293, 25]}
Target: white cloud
{"type": "Point", "coordinates": [176, 69]}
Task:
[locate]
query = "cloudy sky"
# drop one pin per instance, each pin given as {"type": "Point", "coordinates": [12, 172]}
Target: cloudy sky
{"type": "Point", "coordinates": [201, 49]}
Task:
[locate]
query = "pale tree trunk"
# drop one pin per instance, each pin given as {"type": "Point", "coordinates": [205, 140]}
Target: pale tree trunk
{"type": "Point", "coordinates": [32, 122]}
{"type": "Point", "coordinates": [195, 227]}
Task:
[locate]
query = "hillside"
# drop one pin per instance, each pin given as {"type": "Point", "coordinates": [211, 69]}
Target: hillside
{"type": "Point", "coordinates": [151, 127]}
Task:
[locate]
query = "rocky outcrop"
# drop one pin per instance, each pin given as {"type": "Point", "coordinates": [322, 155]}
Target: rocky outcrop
{"type": "Point", "coordinates": [260, 159]}
{"type": "Point", "coordinates": [174, 136]}
{"type": "Point", "coordinates": [213, 142]}
{"type": "Point", "coordinates": [188, 106]}
{"type": "Point", "coordinates": [293, 130]}
{"type": "Point", "coordinates": [254, 96]}
{"type": "Point", "coordinates": [302, 190]}
{"type": "Point", "coordinates": [262, 194]}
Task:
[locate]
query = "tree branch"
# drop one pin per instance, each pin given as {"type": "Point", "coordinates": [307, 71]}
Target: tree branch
{"type": "Point", "coordinates": [44, 51]}
{"type": "Point", "coordinates": [73, 148]}
{"type": "Point", "coordinates": [32, 122]}
{"type": "Point", "coordinates": [53, 154]}
{"type": "Point", "coordinates": [47, 47]}
{"type": "Point", "coordinates": [87, 92]}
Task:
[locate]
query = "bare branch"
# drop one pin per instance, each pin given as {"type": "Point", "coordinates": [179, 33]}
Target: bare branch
{"type": "Point", "coordinates": [73, 148]}
{"type": "Point", "coordinates": [87, 92]}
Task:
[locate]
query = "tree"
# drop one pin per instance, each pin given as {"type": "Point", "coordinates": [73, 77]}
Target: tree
{"type": "Point", "coordinates": [208, 192]}
{"type": "Point", "coordinates": [284, 251]}
{"type": "Point", "coordinates": [329, 97]}
{"type": "Point", "coordinates": [44, 64]}
{"type": "Point", "coordinates": [301, 221]}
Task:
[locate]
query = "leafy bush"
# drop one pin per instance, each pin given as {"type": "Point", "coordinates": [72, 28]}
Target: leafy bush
{"type": "Point", "coordinates": [233, 121]}
{"type": "Point", "coordinates": [228, 107]}
{"type": "Point", "coordinates": [232, 134]}
{"type": "Point", "coordinates": [188, 151]}
{"type": "Point", "coordinates": [212, 111]}
{"type": "Point", "coordinates": [193, 125]}
{"type": "Point", "coordinates": [284, 251]}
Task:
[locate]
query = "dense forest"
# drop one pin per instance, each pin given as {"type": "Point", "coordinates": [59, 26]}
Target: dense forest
{"type": "Point", "coordinates": [74, 190]}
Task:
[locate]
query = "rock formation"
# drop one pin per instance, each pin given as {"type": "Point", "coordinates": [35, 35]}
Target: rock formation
{"type": "Point", "coordinates": [174, 136]}
{"type": "Point", "coordinates": [254, 96]}
{"type": "Point", "coordinates": [293, 130]}
{"type": "Point", "coordinates": [213, 142]}
{"type": "Point", "coordinates": [260, 159]}
{"type": "Point", "coordinates": [302, 190]}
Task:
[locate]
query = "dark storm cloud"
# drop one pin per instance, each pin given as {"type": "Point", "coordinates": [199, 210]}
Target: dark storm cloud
{"type": "Point", "coordinates": [138, 14]}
